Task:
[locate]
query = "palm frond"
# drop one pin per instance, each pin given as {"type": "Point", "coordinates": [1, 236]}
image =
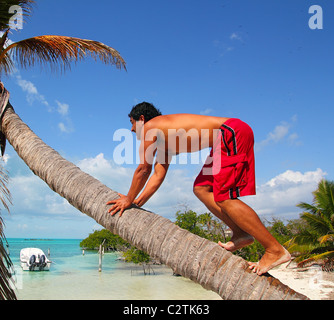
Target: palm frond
{"type": "Point", "coordinates": [26, 6]}
{"type": "Point", "coordinates": [6, 65]}
{"type": "Point", "coordinates": [59, 52]}
{"type": "Point", "coordinates": [308, 207]}
{"type": "Point", "coordinates": [325, 238]}
{"type": "Point", "coordinates": [313, 258]}
{"type": "Point", "coordinates": [5, 196]}
{"type": "Point", "coordinates": [318, 223]}
{"type": "Point", "coordinates": [300, 249]}
{"type": "Point", "coordinates": [305, 237]}
{"type": "Point", "coordinates": [323, 197]}
{"type": "Point", "coordinates": [6, 291]}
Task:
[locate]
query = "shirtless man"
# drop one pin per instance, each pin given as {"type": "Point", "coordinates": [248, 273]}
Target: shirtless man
{"type": "Point", "coordinates": [227, 174]}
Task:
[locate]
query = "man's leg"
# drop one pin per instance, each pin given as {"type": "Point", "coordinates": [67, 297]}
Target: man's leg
{"type": "Point", "coordinates": [240, 238]}
{"type": "Point", "coordinates": [248, 221]}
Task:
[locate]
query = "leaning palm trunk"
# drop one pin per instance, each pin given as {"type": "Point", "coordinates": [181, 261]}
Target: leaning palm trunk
{"type": "Point", "coordinates": [191, 256]}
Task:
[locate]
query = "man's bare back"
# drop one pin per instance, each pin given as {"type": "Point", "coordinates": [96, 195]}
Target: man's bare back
{"type": "Point", "coordinates": [179, 133]}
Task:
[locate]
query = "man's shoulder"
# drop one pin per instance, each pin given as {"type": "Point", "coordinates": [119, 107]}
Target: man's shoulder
{"type": "Point", "coordinates": [156, 123]}
{"type": "Point", "coordinates": [181, 120]}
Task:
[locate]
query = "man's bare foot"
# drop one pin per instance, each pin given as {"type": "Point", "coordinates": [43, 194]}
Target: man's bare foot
{"type": "Point", "coordinates": [237, 243]}
{"type": "Point", "coordinates": [269, 261]}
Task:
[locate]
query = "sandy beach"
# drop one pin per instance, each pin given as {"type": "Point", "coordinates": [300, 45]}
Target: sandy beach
{"type": "Point", "coordinates": [312, 282]}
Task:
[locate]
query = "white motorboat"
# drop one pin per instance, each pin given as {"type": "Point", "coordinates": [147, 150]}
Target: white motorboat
{"type": "Point", "coordinates": [34, 259]}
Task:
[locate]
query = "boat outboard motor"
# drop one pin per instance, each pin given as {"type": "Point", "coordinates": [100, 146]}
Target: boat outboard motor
{"type": "Point", "coordinates": [32, 262]}
{"type": "Point", "coordinates": [42, 262]}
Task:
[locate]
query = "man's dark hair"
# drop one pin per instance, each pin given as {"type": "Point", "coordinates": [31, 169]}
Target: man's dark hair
{"type": "Point", "coordinates": [148, 110]}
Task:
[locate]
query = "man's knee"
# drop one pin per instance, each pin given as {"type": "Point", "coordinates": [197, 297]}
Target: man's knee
{"type": "Point", "coordinates": [200, 190]}
{"type": "Point", "coordinates": [196, 190]}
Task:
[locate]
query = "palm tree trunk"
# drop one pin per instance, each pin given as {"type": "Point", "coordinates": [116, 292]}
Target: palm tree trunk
{"type": "Point", "coordinates": [191, 256]}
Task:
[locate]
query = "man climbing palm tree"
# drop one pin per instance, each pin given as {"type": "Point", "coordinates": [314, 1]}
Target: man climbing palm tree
{"type": "Point", "coordinates": [229, 172]}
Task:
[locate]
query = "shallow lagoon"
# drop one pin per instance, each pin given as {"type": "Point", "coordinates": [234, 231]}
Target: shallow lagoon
{"type": "Point", "coordinates": [76, 276]}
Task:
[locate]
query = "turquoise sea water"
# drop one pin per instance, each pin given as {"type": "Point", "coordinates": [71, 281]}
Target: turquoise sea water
{"type": "Point", "coordinates": [76, 276]}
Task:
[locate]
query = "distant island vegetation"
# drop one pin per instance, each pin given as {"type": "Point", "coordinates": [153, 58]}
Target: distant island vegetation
{"type": "Point", "coordinates": [38, 239]}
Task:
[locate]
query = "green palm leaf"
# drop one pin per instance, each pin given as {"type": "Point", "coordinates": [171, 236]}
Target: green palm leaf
{"type": "Point", "coordinates": [323, 198]}
{"type": "Point", "coordinates": [318, 224]}
{"type": "Point", "coordinates": [306, 236]}
{"type": "Point", "coordinates": [308, 207]}
{"type": "Point", "coordinates": [315, 240]}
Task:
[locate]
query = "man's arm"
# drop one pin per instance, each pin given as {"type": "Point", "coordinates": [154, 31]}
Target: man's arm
{"type": "Point", "coordinates": [160, 171]}
{"type": "Point", "coordinates": [138, 182]}
{"type": "Point", "coordinates": [147, 150]}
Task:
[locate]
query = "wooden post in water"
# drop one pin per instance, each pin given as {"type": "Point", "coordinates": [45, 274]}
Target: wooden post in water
{"type": "Point", "coordinates": [100, 255]}
{"type": "Point", "coordinates": [100, 258]}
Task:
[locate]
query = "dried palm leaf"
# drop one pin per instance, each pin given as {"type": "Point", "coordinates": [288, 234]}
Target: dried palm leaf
{"type": "Point", "coordinates": [59, 52]}
{"type": "Point", "coordinates": [325, 238]}
{"type": "Point", "coordinates": [5, 196]}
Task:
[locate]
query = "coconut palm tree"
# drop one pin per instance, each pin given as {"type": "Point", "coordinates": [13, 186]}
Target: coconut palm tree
{"type": "Point", "coordinates": [315, 240]}
{"type": "Point", "coordinates": [187, 254]}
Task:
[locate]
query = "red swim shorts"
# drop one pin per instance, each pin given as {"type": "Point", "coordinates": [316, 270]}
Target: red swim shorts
{"type": "Point", "coordinates": [230, 167]}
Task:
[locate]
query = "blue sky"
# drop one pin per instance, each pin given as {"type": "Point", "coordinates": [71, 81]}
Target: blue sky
{"type": "Point", "coordinates": [255, 60]}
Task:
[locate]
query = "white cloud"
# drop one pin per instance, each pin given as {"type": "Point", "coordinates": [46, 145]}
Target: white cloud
{"type": "Point", "coordinates": [275, 136]}
{"type": "Point", "coordinates": [32, 95]}
{"type": "Point", "coordinates": [293, 139]}
{"type": "Point", "coordinates": [31, 91]}
{"type": "Point", "coordinates": [62, 108]}
{"type": "Point", "coordinates": [62, 127]}
{"type": "Point", "coordinates": [27, 86]}
{"type": "Point", "coordinates": [57, 205]}
{"type": "Point", "coordinates": [5, 158]}
{"type": "Point", "coordinates": [206, 111]}
{"type": "Point", "coordinates": [26, 191]}
{"type": "Point", "coordinates": [295, 177]}
{"type": "Point", "coordinates": [174, 192]}
{"type": "Point", "coordinates": [66, 128]}
{"type": "Point", "coordinates": [280, 195]}
{"type": "Point", "coordinates": [22, 227]}
{"type": "Point", "coordinates": [32, 196]}
{"type": "Point", "coordinates": [279, 133]}
{"type": "Point", "coordinates": [114, 176]}
{"type": "Point", "coordinates": [235, 36]}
